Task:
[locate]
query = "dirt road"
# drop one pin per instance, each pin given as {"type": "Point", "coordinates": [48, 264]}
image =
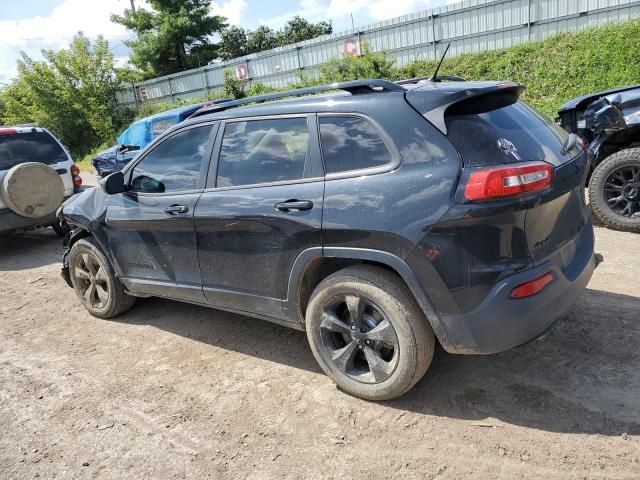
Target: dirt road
{"type": "Point", "coordinates": [176, 391]}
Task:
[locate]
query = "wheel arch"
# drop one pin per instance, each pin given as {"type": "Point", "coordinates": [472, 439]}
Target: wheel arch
{"type": "Point", "coordinates": [315, 264]}
{"type": "Point", "coordinates": [617, 141]}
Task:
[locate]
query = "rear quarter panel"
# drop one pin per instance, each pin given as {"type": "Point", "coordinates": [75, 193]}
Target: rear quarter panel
{"type": "Point", "coordinates": [394, 211]}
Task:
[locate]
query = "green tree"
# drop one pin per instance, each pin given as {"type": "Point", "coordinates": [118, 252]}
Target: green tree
{"type": "Point", "coordinates": [299, 29]}
{"type": "Point", "coordinates": [174, 36]}
{"type": "Point", "coordinates": [237, 41]}
{"type": "Point", "coordinates": [261, 39]}
{"type": "Point", "coordinates": [72, 92]}
{"type": "Point", "coordinates": [233, 43]}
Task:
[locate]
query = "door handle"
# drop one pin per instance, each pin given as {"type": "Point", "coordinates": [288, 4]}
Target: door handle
{"type": "Point", "coordinates": [175, 209]}
{"type": "Point", "coordinates": [294, 205]}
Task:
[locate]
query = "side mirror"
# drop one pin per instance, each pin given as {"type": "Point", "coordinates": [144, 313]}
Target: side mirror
{"type": "Point", "coordinates": [113, 183]}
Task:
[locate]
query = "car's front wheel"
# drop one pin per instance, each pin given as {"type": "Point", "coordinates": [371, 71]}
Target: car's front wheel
{"type": "Point", "coordinates": [368, 334]}
{"type": "Point", "coordinates": [95, 282]}
{"type": "Point", "coordinates": [614, 190]}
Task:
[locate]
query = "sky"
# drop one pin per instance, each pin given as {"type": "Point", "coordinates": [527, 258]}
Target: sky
{"type": "Point", "coordinates": [31, 25]}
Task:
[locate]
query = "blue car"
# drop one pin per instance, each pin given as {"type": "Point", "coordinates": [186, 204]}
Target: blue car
{"type": "Point", "coordinates": [137, 136]}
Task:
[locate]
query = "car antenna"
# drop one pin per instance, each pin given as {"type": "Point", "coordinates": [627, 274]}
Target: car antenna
{"type": "Point", "coordinates": [435, 78]}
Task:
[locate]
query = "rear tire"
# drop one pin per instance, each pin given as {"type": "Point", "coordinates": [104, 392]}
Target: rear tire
{"type": "Point", "coordinates": [95, 282]}
{"type": "Point", "coordinates": [389, 346]}
{"type": "Point", "coordinates": [614, 190]}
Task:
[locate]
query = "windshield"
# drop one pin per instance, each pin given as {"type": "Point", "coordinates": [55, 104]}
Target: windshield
{"type": "Point", "coordinates": [41, 147]}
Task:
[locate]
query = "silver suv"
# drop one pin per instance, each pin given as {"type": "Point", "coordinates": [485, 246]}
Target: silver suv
{"type": "Point", "coordinates": [37, 174]}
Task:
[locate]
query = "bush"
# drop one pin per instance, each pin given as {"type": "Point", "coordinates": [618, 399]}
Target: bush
{"type": "Point", "coordinates": [556, 69]}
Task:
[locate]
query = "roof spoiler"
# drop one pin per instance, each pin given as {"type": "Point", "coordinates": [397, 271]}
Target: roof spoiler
{"type": "Point", "coordinates": [434, 107]}
{"type": "Point", "coordinates": [354, 87]}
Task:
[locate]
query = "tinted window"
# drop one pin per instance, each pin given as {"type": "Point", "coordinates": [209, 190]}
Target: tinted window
{"type": "Point", "coordinates": [261, 151]}
{"type": "Point", "coordinates": [39, 147]}
{"type": "Point", "coordinates": [351, 143]}
{"type": "Point", "coordinates": [174, 164]}
{"type": "Point", "coordinates": [494, 129]}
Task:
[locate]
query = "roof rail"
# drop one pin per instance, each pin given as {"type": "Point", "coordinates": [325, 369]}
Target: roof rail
{"type": "Point", "coordinates": [447, 78]}
{"type": "Point", "coordinates": [353, 87]}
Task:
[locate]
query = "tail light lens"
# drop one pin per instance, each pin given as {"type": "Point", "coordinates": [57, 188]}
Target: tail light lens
{"type": "Point", "coordinates": [508, 181]}
{"type": "Point", "coordinates": [532, 287]}
{"type": "Point", "coordinates": [75, 173]}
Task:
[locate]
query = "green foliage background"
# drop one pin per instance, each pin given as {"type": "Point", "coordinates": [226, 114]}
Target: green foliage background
{"type": "Point", "coordinates": [554, 70]}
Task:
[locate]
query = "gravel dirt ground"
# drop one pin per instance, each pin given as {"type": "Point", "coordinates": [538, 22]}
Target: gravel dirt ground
{"type": "Point", "coordinates": [170, 390]}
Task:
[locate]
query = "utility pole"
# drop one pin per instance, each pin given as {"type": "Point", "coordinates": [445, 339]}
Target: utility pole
{"type": "Point", "coordinates": [133, 6]}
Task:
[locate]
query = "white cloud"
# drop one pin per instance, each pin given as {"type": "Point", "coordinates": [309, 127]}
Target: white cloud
{"type": "Point", "coordinates": [339, 10]}
{"type": "Point", "coordinates": [385, 9]}
{"type": "Point", "coordinates": [231, 9]}
{"type": "Point", "coordinates": [56, 30]}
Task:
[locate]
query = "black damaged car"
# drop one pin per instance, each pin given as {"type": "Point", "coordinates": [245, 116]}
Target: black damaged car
{"type": "Point", "coordinates": [609, 123]}
{"type": "Point", "coordinates": [380, 219]}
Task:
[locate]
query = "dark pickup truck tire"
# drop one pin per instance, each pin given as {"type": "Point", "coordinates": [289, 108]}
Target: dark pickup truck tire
{"type": "Point", "coordinates": [368, 334]}
{"type": "Point", "coordinates": [614, 190]}
{"type": "Point", "coordinates": [95, 282]}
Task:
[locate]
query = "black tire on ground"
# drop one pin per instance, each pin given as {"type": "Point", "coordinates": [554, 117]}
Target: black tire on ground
{"type": "Point", "coordinates": [391, 345]}
{"type": "Point", "coordinates": [625, 160]}
{"type": "Point", "coordinates": [60, 229]}
{"type": "Point", "coordinates": [95, 282]}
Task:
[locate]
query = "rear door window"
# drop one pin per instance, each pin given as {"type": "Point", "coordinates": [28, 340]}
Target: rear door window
{"type": "Point", "coordinates": [32, 146]}
{"type": "Point", "coordinates": [263, 151]}
{"type": "Point", "coordinates": [498, 129]}
{"type": "Point", "coordinates": [351, 143]}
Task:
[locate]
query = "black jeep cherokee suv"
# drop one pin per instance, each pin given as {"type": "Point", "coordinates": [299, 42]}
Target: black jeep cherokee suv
{"type": "Point", "coordinates": [378, 219]}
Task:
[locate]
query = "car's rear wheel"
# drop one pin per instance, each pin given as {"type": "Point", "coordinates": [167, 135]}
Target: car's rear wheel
{"type": "Point", "coordinates": [614, 190]}
{"type": "Point", "coordinates": [368, 334]}
{"type": "Point", "coordinates": [95, 282]}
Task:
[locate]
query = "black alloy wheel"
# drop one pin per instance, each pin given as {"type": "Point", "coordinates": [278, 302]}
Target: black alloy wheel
{"type": "Point", "coordinates": [359, 339]}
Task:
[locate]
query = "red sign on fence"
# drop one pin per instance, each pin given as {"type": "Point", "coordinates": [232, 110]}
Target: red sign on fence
{"type": "Point", "coordinates": [142, 94]}
{"type": "Point", "coordinates": [242, 71]}
{"type": "Point", "coordinates": [350, 47]}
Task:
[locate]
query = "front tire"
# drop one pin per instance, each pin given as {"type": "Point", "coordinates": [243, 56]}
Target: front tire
{"type": "Point", "coordinates": [95, 282]}
{"type": "Point", "coordinates": [614, 190]}
{"type": "Point", "coordinates": [61, 228]}
{"type": "Point", "coordinates": [368, 334]}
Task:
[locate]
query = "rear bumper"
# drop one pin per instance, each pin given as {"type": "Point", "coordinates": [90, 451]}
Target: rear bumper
{"type": "Point", "coordinates": [500, 323]}
{"type": "Point", "coordinates": [11, 222]}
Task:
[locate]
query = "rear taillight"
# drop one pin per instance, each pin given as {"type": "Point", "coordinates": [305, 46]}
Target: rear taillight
{"type": "Point", "coordinates": [75, 173]}
{"type": "Point", "coordinates": [508, 181]}
{"type": "Point", "coordinates": [532, 287]}
{"type": "Point", "coordinates": [8, 131]}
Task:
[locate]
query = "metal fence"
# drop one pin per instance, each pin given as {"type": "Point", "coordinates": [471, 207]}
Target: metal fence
{"type": "Point", "coordinates": [470, 26]}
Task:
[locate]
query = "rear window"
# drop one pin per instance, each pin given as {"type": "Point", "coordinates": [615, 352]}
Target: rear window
{"type": "Point", "coordinates": [496, 129]}
{"type": "Point", "coordinates": [38, 147]}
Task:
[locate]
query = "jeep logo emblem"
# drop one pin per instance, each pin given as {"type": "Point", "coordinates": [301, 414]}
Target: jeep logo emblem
{"type": "Point", "coordinates": [509, 148]}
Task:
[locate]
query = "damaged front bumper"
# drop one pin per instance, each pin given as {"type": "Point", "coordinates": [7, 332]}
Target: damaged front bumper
{"type": "Point", "coordinates": [68, 242]}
